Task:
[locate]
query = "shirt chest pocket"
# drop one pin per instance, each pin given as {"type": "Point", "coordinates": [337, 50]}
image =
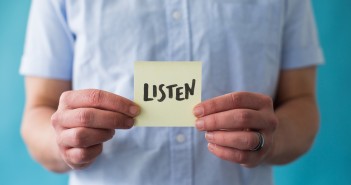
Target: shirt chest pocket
{"type": "Point", "coordinates": [251, 21]}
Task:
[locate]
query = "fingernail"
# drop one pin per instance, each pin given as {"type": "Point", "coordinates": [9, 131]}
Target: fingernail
{"type": "Point", "coordinates": [134, 110]}
{"type": "Point", "coordinates": [200, 124]}
{"type": "Point", "coordinates": [130, 122]}
{"type": "Point", "coordinates": [209, 136]}
{"type": "Point", "coordinates": [210, 147]}
{"type": "Point", "coordinates": [198, 111]}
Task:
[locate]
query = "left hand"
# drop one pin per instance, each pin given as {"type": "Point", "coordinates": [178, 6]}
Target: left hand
{"type": "Point", "coordinates": [232, 123]}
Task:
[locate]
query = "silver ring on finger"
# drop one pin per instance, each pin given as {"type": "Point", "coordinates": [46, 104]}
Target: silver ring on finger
{"type": "Point", "coordinates": [260, 142]}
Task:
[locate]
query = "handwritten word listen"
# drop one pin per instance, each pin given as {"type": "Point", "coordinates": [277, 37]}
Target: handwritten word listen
{"type": "Point", "coordinates": [180, 93]}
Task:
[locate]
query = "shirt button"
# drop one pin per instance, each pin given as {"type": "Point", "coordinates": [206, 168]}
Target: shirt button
{"type": "Point", "coordinates": [180, 138]}
{"type": "Point", "coordinates": [176, 15]}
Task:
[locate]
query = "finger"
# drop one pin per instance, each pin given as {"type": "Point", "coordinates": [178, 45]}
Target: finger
{"type": "Point", "coordinates": [235, 119]}
{"type": "Point", "coordinates": [241, 140]}
{"type": "Point", "coordinates": [238, 100]}
{"type": "Point", "coordinates": [94, 98]}
{"type": "Point", "coordinates": [92, 118]}
{"type": "Point", "coordinates": [247, 158]}
{"type": "Point", "coordinates": [81, 137]}
{"type": "Point", "coordinates": [77, 156]}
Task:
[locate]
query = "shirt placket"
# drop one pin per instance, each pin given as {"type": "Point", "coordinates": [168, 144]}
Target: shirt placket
{"type": "Point", "coordinates": [179, 41]}
{"type": "Point", "coordinates": [179, 45]}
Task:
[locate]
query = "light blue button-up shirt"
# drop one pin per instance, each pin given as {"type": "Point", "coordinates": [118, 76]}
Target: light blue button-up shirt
{"type": "Point", "coordinates": [243, 44]}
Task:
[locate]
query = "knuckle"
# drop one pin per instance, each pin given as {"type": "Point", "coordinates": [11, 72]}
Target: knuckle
{"type": "Point", "coordinates": [66, 155]}
{"type": "Point", "coordinates": [221, 154]}
{"type": "Point", "coordinates": [214, 122]}
{"type": "Point", "coordinates": [118, 122]}
{"type": "Point", "coordinates": [105, 136]}
{"type": "Point", "coordinates": [69, 156]}
{"type": "Point", "coordinates": [215, 139]}
{"type": "Point", "coordinates": [273, 121]}
{"type": "Point", "coordinates": [99, 149]}
{"type": "Point", "coordinates": [244, 117]}
{"type": "Point", "coordinates": [267, 101]}
{"type": "Point", "coordinates": [59, 140]}
{"type": "Point", "coordinates": [95, 97]}
{"type": "Point", "coordinates": [222, 138]}
{"type": "Point", "coordinates": [250, 142]}
{"type": "Point", "coordinates": [236, 98]}
{"type": "Point", "coordinates": [78, 137]}
{"type": "Point", "coordinates": [65, 96]}
{"type": "Point", "coordinates": [85, 116]}
{"type": "Point", "coordinates": [119, 102]}
{"type": "Point", "coordinates": [112, 133]}
{"type": "Point", "coordinates": [241, 157]}
{"type": "Point", "coordinates": [81, 155]}
{"type": "Point", "coordinates": [210, 105]}
{"type": "Point", "coordinates": [55, 118]}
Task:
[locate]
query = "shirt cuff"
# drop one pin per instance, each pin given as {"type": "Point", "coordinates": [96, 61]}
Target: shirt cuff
{"type": "Point", "coordinates": [46, 68]}
{"type": "Point", "coordinates": [302, 58]}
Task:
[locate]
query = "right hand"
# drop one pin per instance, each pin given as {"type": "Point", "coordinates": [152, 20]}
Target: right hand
{"type": "Point", "coordinates": [87, 118]}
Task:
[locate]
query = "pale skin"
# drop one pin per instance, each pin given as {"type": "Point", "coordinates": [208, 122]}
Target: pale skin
{"type": "Point", "coordinates": [65, 129]}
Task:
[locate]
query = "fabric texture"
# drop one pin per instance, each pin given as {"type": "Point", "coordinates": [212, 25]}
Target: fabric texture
{"type": "Point", "coordinates": [243, 44]}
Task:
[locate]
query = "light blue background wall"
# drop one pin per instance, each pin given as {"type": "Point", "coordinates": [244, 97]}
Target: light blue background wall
{"type": "Point", "coordinates": [328, 162]}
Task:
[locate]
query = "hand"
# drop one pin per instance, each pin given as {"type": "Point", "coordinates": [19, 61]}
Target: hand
{"type": "Point", "coordinates": [231, 123]}
{"type": "Point", "coordinates": [87, 118]}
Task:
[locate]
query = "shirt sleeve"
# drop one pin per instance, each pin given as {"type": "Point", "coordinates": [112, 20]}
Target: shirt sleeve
{"type": "Point", "coordinates": [48, 50]}
{"type": "Point", "coordinates": [300, 39]}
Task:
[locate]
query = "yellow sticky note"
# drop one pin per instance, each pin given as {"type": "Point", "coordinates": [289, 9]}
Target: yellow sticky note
{"type": "Point", "coordinates": [167, 93]}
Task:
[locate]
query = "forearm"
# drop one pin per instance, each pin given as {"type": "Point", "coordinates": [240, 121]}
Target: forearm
{"type": "Point", "coordinates": [40, 138]}
{"type": "Point", "coordinates": [297, 128]}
